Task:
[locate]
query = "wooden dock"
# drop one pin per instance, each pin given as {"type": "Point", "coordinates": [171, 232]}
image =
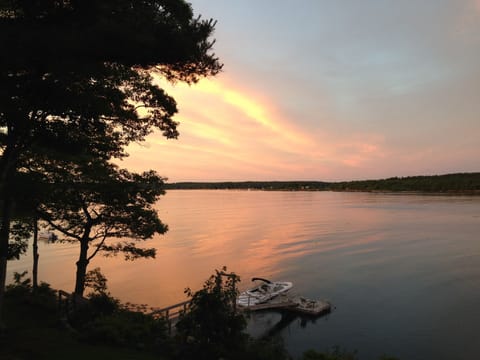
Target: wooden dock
{"type": "Point", "coordinates": [293, 303]}
{"type": "Point", "coordinates": [284, 302]}
{"type": "Point", "coordinates": [279, 302]}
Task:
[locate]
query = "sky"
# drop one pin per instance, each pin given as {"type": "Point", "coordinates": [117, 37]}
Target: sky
{"type": "Point", "coordinates": [328, 90]}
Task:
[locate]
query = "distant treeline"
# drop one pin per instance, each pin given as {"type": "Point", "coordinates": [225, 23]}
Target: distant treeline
{"type": "Point", "coordinates": [462, 182]}
{"type": "Point", "coordinates": [450, 183]}
{"type": "Point", "coordinates": [251, 185]}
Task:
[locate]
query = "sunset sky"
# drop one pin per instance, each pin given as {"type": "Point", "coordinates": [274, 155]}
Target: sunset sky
{"type": "Point", "coordinates": [329, 90]}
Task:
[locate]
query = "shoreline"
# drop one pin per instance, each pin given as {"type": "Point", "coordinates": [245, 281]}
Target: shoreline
{"type": "Point", "coordinates": [448, 184]}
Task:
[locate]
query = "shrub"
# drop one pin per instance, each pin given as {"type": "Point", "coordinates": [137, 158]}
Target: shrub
{"type": "Point", "coordinates": [265, 349]}
{"type": "Point", "coordinates": [104, 320]}
{"type": "Point", "coordinates": [212, 328]}
{"type": "Point", "coordinates": [125, 328]}
{"type": "Point", "coordinates": [335, 354]}
{"type": "Point", "coordinates": [21, 289]}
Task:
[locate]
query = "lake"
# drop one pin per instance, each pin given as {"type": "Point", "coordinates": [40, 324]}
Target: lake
{"type": "Point", "coordinates": [403, 270]}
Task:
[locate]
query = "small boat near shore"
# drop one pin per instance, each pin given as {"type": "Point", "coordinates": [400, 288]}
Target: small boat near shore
{"type": "Point", "coordinates": [263, 293]}
{"type": "Point", "coordinates": [47, 236]}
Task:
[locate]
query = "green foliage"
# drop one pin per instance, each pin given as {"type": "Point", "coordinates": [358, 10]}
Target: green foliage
{"type": "Point", "coordinates": [124, 328]}
{"type": "Point", "coordinates": [211, 327]}
{"type": "Point", "coordinates": [89, 59]}
{"type": "Point", "coordinates": [21, 290]}
{"type": "Point", "coordinates": [99, 206]}
{"type": "Point", "coordinates": [21, 285]}
{"type": "Point", "coordinates": [104, 320]}
{"type": "Point", "coordinates": [96, 201]}
{"type": "Point", "coordinates": [95, 280]}
{"type": "Point", "coordinates": [18, 243]}
{"type": "Point", "coordinates": [77, 86]}
{"type": "Point", "coordinates": [37, 333]}
{"type": "Point", "coordinates": [264, 349]}
{"type": "Point", "coordinates": [102, 304]}
{"type": "Point", "coordinates": [335, 354]}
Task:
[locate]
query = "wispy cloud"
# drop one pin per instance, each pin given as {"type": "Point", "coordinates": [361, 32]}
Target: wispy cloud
{"type": "Point", "coordinates": [347, 90]}
{"type": "Point", "coordinates": [229, 134]}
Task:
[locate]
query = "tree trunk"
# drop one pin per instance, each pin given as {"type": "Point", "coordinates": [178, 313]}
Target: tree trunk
{"type": "Point", "coordinates": [82, 264]}
{"type": "Point", "coordinates": [16, 131]}
{"type": "Point", "coordinates": [4, 235]}
{"type": "Point", "coordinates": [7, 170]}
{"type": "Point", "coordinates": [35, 255]}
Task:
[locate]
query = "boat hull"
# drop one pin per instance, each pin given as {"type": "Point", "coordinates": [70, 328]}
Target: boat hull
{"type": "Point", "coordinates": [263, 293]}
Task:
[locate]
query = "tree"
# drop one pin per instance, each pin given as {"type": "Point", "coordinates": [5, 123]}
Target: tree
{"type": "Point", "coordinates": [74, 75]}
{"type": "Point", "coordinates": [212, 328]}
{"type": "Point", "coordinates": [97, 202]}
{"type": "Point", "coordinates": [30, 189]}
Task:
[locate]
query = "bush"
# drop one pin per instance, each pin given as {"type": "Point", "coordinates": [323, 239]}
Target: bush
{"type": "Point", "coordinates": [125, 328]}
{"type": "Point", "coordinates": [212, 328]}
{"type": "Point", "coordinates": [104, 320]}
{"type": "Point", "coordinates": [265, 349]}
{"type": "Point", "coordinates": [335, 354]}
{"type": "Point", "coordinates": [103, 304]}
{"type": "Point", "coordinates": [22, 291]}
{"type": "Point", "coordinates": [20, 286]}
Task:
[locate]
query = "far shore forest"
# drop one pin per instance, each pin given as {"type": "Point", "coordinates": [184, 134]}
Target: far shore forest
{"type": "Point", "coordinates": [460, 183]}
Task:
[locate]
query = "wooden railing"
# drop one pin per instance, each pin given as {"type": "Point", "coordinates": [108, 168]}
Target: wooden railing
{"type": "Point", "coordinates": [64, 302]}
{"type": "Point", "coordinates": [171, 313]}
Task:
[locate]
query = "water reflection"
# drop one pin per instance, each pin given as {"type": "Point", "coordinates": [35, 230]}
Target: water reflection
{"type": "Point", "coordinates": [401, 269]}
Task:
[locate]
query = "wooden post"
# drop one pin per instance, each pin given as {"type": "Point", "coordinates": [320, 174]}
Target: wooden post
{"type": "Point", "coordinates": [234, 280]}
{"type": "Point", "coordinates": [167, 316]}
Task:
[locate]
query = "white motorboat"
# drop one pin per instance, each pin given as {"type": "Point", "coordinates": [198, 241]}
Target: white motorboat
{"type": "Point", "coordinates": [262, 293]}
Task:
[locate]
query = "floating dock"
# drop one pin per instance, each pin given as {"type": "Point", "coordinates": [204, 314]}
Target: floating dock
{"type": "Point", "coordinates": [293, 303]}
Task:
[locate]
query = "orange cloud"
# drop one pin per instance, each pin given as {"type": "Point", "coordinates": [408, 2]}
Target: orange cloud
{"type": "Point", "coordinates": [253, 110]}
{"type": "Point", "coordinates": [229, 133]}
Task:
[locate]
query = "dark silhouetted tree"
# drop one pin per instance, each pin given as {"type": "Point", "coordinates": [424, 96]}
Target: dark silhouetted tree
{"type": "Point", "coordinates": [30, 189]}
{"type": "Point", "coordinates": [75, 74]}
{"type": "Point", "coordinates": [95, 203]}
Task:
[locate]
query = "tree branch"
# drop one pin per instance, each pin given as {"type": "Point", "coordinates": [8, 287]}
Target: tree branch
{"type": "Point", "coordinates": [97, 249]}
{"type": "Point", "coordinates": [63, 231]}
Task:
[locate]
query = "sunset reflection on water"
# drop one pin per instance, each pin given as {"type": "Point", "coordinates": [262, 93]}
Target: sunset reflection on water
{"type": "Point", "coordinates": [393, 262]}
{"type": "Point", "coordinates": [253, 233]}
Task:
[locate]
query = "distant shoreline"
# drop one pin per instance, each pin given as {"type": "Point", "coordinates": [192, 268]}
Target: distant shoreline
{"type": "Point", "coordinates": [449, 184]}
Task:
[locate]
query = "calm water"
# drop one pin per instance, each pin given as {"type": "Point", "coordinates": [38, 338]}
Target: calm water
{"type": "Point", "coordinates": [402, 270]}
